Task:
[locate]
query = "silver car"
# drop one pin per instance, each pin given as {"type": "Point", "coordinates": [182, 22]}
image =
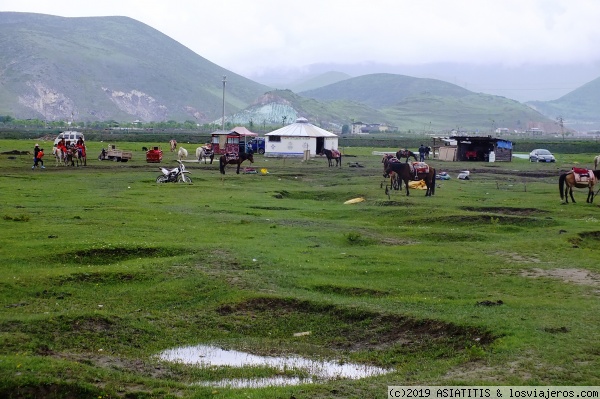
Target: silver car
{"type": "Point", "coordinates": [540, 155]}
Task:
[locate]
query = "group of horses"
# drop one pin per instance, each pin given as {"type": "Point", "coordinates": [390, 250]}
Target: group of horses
{"type": "Point", "coordinates": [205, 153]}
{"type": "Point", "coordinates": [72, 156]}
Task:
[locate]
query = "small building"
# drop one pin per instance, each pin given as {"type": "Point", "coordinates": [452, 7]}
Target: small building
{"type": "Point", "coordinates": [231, 141]}
{"type": "Point", "coordinates": [294, 140]}
{"type": "Point", "coordinates": [475, 148]}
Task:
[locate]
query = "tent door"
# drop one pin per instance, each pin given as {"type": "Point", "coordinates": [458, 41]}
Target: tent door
{"type": "Point", "coordinates": [320, 144]}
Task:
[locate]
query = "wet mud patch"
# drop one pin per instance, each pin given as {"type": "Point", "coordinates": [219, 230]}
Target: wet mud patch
{"type": "Point", "coordinates": [272, 208]}
{"type": "Point", "coordinates": [587, 239]}
{"type": "Point", "coordinates": [311, 195]}
{"type": "Point", "coordinates": [101, 277]}
{"type": "Point", "coordinates": [342, 328]}
{"type": "Point", "coordinates": [506, 210]}
{"type": "Point", "coordinates": [575, 276]}
{"type": "Point", "coordinates": [108, 255]}
{"type": "Point", "coordinates": [444, 236]}
{"type": "Point", "coordinates": [349, 291]}
{"type": "Point", "coordinates": [501, 220]}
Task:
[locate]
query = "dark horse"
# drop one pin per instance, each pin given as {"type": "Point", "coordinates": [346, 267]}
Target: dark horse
{"type": "Point", "coordinates": [585, 178]}
{"type": "Point", "coordinates": [331, 155]}
{"type": "Point", "coordinates": [406, 173]}
{"type": "Point", "coordinates": [225, 160]}
{"type": "Point", "coordinates": [406, 154]}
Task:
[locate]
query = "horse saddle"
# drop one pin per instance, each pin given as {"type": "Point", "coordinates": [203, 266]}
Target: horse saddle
{"type": "Point", "coordinates": [231, 156]}
{"type": "Point", "coordinates": [335, 153]}
{"type": "Point", "coordinates": [582, 175]}
{"type": "Point", "coordinates": [420, 167]}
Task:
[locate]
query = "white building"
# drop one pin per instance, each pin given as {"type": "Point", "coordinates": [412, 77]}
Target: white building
{"type": "Point", "coordinates": [296, 138]}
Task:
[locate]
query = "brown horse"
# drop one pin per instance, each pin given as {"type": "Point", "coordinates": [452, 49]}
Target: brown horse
{"type": "Point", "coordinates": [173, 144]}
{"type": "Point", "coordinates": [406, 173]}
{"type": "Point", "coordinates": [580, 178]}
{"type": "Point", "coordinates": [331, 155]}
{"type": "Point", "coordinates": [241, 157]}
{"type": "Point", "coordinates": [406, 154]}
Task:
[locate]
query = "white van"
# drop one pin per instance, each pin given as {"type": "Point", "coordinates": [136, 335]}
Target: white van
{"type": "Point", "coordinates": [70, 137]}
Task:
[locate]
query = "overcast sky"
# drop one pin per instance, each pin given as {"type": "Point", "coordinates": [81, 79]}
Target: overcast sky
{"type": "Point", "coordinates": [247, 36]}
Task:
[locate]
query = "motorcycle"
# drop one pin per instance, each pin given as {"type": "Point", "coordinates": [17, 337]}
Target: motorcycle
{"type": "Point", "coordinates": [175, 175]}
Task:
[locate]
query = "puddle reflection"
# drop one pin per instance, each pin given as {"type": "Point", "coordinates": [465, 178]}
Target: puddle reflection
{"type": "Point", "coordinates": [207, 355]}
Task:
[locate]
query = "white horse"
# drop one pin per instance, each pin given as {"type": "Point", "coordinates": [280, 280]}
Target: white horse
{"type": "Point", "coordinates": [205, 152]}
{"type": "Point", "coordinates": [173, 144]}
{"type": "Point", "coordinates": [182, 154]}
{"type": "Point", "coordinates": [61, 158]}
{"type": "Point", "coordinates": [596, 162]}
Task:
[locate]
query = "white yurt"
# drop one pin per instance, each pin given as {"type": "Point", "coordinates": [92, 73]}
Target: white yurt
{"type": "Point", "coordinates": [296, 138]}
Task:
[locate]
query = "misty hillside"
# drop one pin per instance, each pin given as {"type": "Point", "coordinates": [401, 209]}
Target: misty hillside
{"type": "Point", "coordinates": [312, 82]}
{"type": "Point", "coordinates": [425, 104]}
{"type": "Point", "coordinates": [580, 109]}
{"type": "Point", "coordinates": [105, 68]}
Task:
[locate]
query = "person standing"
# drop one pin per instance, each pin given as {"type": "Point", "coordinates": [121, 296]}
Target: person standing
{"type": "Point", "coordinates": [40, 157]}
{"type": "Point", "coordinates": [422, 153]}
{"type": "Point", "coordinates": [36, 151]}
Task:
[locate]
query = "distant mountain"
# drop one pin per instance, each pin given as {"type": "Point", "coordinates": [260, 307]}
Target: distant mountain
{"type": "Point", "coordinates": [529, 81]}
{"type": "Point", "coordinates": [309, 82]}
{"type": "Point", "coordinates": [579, 109]}
{"type": "Point", "coordinates": [425, 104]}
{"type": "Point", "coordinates": [105, 68]}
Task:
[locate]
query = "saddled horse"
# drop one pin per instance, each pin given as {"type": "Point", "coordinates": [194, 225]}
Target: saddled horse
{"type": "Point", "coordinates": [205, 153]}
{"type": "Point", "coordinates": [331, 155]}
{"type": "Point", "coordinates": [173, 145]}
{"type": "Point", "coordinates": [406, 154]}
{"type": "Point", "coordinates": [182, 154]}
{"type": "Point", "coordinates": [407, 172]}
{"type": "Point", "coordinates": [75, 157]}
{"type": "Point", "coordinates": [241, 157]}
{"type": "Point", "coordinates": [579, 178]}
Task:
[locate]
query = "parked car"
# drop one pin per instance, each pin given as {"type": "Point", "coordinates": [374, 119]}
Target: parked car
{"type": "Point", "coordinates": [258, 145]}
{"type": "Point", "coordinates": [541, 155]}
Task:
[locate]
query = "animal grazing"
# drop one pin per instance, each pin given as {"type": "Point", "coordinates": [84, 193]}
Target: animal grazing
{"type": "Point", "coordinates": [406, 154]}
{"type": "Point", "coordinates": [205, 152]}
{"type": "Point", "coordinates": [231, 159]}
{"type": "Point", "coordinates": [182, 154]}
{"type": "Point", "coordinates": [579, 178]}
{"type": "Point", "coordinates": [332, 155]}
{"type": "Point", "coordinates": [173, 145]}
{"type": "Point", "coordinates": [145, 149]}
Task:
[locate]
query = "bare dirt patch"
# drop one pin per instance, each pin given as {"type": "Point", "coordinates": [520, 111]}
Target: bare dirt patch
{"type": "Point", "coordinates": [342, 328]}
{"type": "Point", "coordinates": [575, 276]}
{"type": "Point", "coordinates": [506, 210]}
{"type": "Point", "coordinates": [514, 257]}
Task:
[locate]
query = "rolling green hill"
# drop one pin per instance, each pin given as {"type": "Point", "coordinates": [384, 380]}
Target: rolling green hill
{"type": "Point", "coordinates": [106, 68]}
{"type": "Point", "coordinates": [579, 108]}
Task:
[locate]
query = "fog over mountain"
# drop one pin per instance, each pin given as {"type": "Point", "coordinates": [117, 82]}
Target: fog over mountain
{"type": "Point", "coordinates": [528, 82]}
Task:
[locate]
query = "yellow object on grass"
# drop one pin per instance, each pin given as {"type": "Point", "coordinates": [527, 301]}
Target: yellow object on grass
{"type": "Point", "coordinates": [355, 200]}
{"type": "Point", "coordinates": [264, 171]}
{"type": "Point", "coordinates": [419, 185]}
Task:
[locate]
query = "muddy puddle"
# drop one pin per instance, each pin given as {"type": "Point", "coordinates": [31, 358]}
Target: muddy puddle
{"type": "Point", "coordinates": [316, 370]}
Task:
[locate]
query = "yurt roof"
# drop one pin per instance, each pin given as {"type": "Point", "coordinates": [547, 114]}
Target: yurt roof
{"type": "Point", "coordinates": [301, 128]}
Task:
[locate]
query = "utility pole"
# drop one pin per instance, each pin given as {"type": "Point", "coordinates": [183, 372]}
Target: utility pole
{"type": "Point", "coordinates": [223, 117]}
{"type": "Point", "coordinates": [560, 121]}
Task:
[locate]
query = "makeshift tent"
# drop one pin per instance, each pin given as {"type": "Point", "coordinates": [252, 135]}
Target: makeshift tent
{"type": "Point", "coordinates": [298, 140]}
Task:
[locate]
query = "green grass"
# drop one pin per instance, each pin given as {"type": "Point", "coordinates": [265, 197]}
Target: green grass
{"type": "Point", "coordinates": [102, 269]}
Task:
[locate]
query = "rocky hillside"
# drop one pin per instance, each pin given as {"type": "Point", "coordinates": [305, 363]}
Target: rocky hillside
{"type": "Point", "coordinates": [108, 68]}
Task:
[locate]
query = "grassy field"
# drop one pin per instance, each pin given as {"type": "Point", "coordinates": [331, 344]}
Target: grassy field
{"type": "Point", "coordinates": [492, 281]}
